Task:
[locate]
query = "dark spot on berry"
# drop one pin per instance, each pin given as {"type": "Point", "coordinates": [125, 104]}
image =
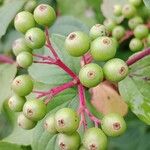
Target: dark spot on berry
{"type": "Point", "coordinates": [42, 7]}
{"type": "Point", "coordinates": [29, 112]}
{"type": "Point", "coordinates": [61, 122]}
{"type": "Point", "coordinates": [127, 8]}
{"type": "Point", "coordinates": [19, 124]}
{"type": "Point", "coordinates": [45, 125]}
{"type": "Point", "coordinates": [18, 81]}
{"type": "Point", "coordinates": [116, 126]}
{"type": "Point", "coordinates": [62, 146]}
{"type": "Point", "coordinates": [72, 36]}
{"type": "Point", "coordinates": [108, 97]}
{"type": "Point", "coordinates": [30, 38]}
{"type": "Point", "coordinates": [106, 41]}
{"type": "Point", "coordinates": [91, 74]}
{"type": "Point", "coordinates": [93, 147]}
{"type": "Point", "coordinates": [122, 70]}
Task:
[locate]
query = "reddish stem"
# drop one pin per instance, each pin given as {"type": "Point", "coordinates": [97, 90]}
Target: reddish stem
{"type": "Point", "coordinates": [6, 59]}
{"type": "Point", "coordinates": [128, 34]}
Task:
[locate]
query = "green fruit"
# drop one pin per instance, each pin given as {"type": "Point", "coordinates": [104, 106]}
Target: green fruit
{"type": "Point", "coordinates": [66, 120]}
{"type": "Point", "coordinates": [98, 30]}
{"type": "Point", "coordinates": [49, 124]}
{"type": "Point", "coordinates": [24, 21]}
{"type": "Point", "coordinates": [22, 85]}
{"type": "Point", "coordinates": [44, 15]}
{"type": "Point", "coordinates": [148, 40]}
{"type": "Point", "coordinates": [34, 109]}
{"type": "Point", "coordinates": [25, 123]}
{"type": "Point", "coordinates": [24, 59]}
{"type": "Point", "coordinates": [118, 32]}
{"type": "Point", "coordinates": [82, 148]}
{"type": "Point", "coordinates": [16, 103]}
{"type": "Point", "coordinates": [103, 48]}
{"type": "Point", "coordinates": [136, 45]}
{"type": "Point", "coordinates": [68, 142]}
{"type": "Point", "coordinates": [135, 2]}
{"type": "Point", "coordinates": [141, 31]}
{"type": "Point", "coordinates": [128, 11]}
{"type": "Point", "coordinates": [94, 139]}
{"type": "Point", "coordinates": [115, 70]}
{"type": "Point", "coordinates": [134, 22]}
{"type": "Point", "coordinates": [77, 43]}
{"type": "Point", "coordinates": [117, 10]}
{"type": "Point", "coordinates": [110, 24]}
{"type": "Point", "coordinates": [91, 75]}
{"type": "Point", "coordinates": [113, 124]}
{"type": "Point", "coordinates": [30, 5]}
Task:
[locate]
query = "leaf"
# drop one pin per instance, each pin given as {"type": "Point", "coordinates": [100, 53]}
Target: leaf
{"type": "Point", "coordinates": [7, 13]}
{"type": "Point", "coordinates": [9, 146]}
{"type": "Point", "coordinates": [147, 3]}
{"type": "Point", "coordinates": [135, 89]}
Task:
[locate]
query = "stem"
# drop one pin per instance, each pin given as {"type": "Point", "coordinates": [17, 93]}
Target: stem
{"type": "Point", "coordinates": [128, 34]}
{"type": "Point", "coordinates": [6, 59]}
{"type": "Point", "coordinates": [138, 56]}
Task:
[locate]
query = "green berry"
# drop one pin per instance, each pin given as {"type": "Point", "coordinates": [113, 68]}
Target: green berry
{"type": "Point", "coordinates": [24, 21]}
{"type": "Point", "coordinates": [115, 70]}
{"type": "Point", "coordinates": [35, 38]}
{"type": "Point", "coordinates": [103, 48]}
{"type": "Point", "coordinates": [44, 15]}
{"type": "Point", "coordinates": [141, 31]}
{"type": "Point", "coordinates": [68, 142]}
{"type": "Point", "coordinates": [91, 75]}
{"type": "Point", "coordinates": [49, 124]}
{"type": "Point", "coordinates": [25, 123]}
{"type": "Point", "coordinates": [110, 24]}
{"type": "Point", "coordinates": [128, 11]}
{"type": "Point", "coordinates": [118, 32]}
{"type": "Point", "coordinates": [22, 85]}
{"type": "Point", "coordinates": [77, 43]}
{"type": "Point", "coordinates": [94, 139]}
{"type": "Point", "coordinates": [98, 30]}
{"type": "Point", "coordinates": [117, 10]}
{"type": "Point", "coordinates": [135, 2]}
{"type": "Point", "coordinates": [16, 103]}
{"type": "Point", "coordinates": [34, 109]}
{"type": "Point", "coordinates": [113, 124]}
{"type": "Point", "coordinates": [148, 40]}
{"type": "Point", "coordinates": [136, 45]}
{"type": "Point", "coordinates": [66, 120]}
{"type": "Point", "coordinates": [19, 46]}
{"type": "Point", "coordinates": [82, 148]}
{"type": "Point", "coordinates": [30, 5]}
{"type": "Point", "coordinates": [24, 59]}
{"type": "Point", "coordinates": [134, 22]}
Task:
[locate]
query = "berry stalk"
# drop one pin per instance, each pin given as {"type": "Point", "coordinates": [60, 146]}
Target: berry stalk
{"type": "Point", "coordinates": [6, 59]}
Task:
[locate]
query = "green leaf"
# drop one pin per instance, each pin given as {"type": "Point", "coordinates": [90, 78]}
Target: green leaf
{"type": "Point", "coordinates": [147, 3]}
{"type": "Point", "coordinates": [8, 12]}
{"type": "Point", "coordinates": [9, 146]}
{"type": "Point", "coordinates": [135, 89]}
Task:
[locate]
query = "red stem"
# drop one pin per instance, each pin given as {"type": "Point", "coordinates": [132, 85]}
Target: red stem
{"type": "Point", "coordinates": [6, 59]}
{"type": "Point", "coordinates": [128, 34]}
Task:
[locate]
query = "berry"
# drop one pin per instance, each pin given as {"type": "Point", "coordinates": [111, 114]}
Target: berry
{"type": "Point", "coordinates": [49, 124]}
{"type": "Point", "coordinates": [77, 43]}
{"type": "Point", "coordinates": [128, 11]}
{"type": "Point", "coordinates": [35, 38]}
{"type": "Point", "coordinates": [44, 15]}
{"type": "Point", "coordinates": [113, 124]}
{"type": "Point", "coordinates": [22, 85]}
{"type": "Point", "coordinates": [24, 59]}
{"type": "Point", "coordinates": [68, 142]}
{"type": "Point", "coordinates": [110, 24]}
{"type": "Point", "coordinates": [25, 123]}
{"type": "Point", "coordinates": [118, 32]}
{"type": "Point", "coordinates": [133, 22]}
{"type": "Point", "coordinates": [30, 5]}
{"type": "Point", "coordinates": [117, 10]}
{"type": "Point", "coordinates": [91, 75]}
{"type": "Point", "coordinates": [24, 21]}
{"type": "Point", "coordinates": [94, 139]}
{"type": "Point", "coordinates": [115, 70]}
{"type": "Point", "coordinates": [148, 40]}
{"type": "Point", "coordinates": [135, 45]}
{"type": "Point", "coordinates": [34, 109]}
{"type": "Point", "coordinates": [82, 148]}
{"type": "Point", "coordinates": [16, 103]}
{"type": "Point", "coordinates": [135, 2]}
{"type": "Point", "coordinates": [19, 46]}
{"type": "Point", "coordinates": [141, 31]}
{"type": "Point", "coordinates": [103, 48]}
{"type": "Point", "coordinates": [66, 120]}
{"type": "Point", "coordinates": [98, 30]}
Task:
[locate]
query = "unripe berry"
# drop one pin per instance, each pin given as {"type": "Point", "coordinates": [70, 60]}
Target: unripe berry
{"type": "Point", "coordinates": [128, 11]}
{"type": "Point", "coordinates": [148, 40]}
{"type": "Point", "coordinates": [103, 48]}
{"type": "Point", "coordinates": [98, 30]}
{"type": "Point", "coordinates": [44, 15]}
{"type": "Point", "coordinates": [66, 120]}
{"type": "Point", "coordinates": [118, 32]}
{"type": "Point", "coordinates": [110, 24]}
{"type": "Point", "coordinates": [19, 46]}
{"type": "Point", "coordinates": [68, 142]}
{"type": "Point", "coordinates": [115, 70]}
{"type": "Point", "coordinates": [77, 43]}
{"type": "Point", "coordinates": [24, 59]}
{"type": "Point", "coordinates": [82, 148]}
{"type": "Point", "coordinates": [49, 124]}
{"type": "Point", "coordinates": [24, 21]}
{"type": "Point", "coordinates": [94, 139]}
{"type": "Point", "coordinates": [34, 109]}
{"type": "Point", "coordinates": [141, 31]}
{"type": "Point", "coordinates": [30, 5]}
{"type": "Point", "coordinates": [134, 22]}
{"type": "Point", "coordinates": [135, 2]}
{"type": "Point", "coordinates": [136, 45]}
{"type": "Point", "coordinates": [16, 103]}
{"type": "Point", "coordinates": [113, 124]}
{"type": "Point", "coordinates": [22, 85]}
{"type": "Point", "coordinates": [25, 123]}
{"type": "Point", "coordinates": [117, 10]}
{"type": "Point", "coordinates": [91, 75]}
{"type": "Point", "coordinates": [35, 38]}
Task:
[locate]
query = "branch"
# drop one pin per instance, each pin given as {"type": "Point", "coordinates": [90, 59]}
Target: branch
{"type": "Point", "coordinates": [6, 59]}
